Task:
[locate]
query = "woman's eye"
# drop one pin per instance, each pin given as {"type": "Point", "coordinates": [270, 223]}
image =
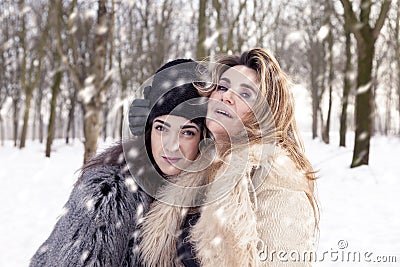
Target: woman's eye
{"type": "Point", "coordinates": [222, 88]}
{"type": "Point", "coordinates": [245, 95]}
{"type": "Point", "coordinates": [160, 128]}
{"type": "Point", "coordinates": [189, 133]}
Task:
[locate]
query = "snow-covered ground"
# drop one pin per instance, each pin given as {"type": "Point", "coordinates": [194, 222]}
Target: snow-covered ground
{"type": "Point", "coordinates": [359, 207]}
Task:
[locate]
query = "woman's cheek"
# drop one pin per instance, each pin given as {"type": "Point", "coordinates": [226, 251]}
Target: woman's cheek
{"type": "Point", "coordinates": [191, 147]}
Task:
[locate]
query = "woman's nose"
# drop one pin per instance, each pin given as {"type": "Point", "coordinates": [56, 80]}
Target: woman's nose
{"type": "Point", "coordinates": [171, 142]}
{"type": "Point", "coordinates": [228, 97]}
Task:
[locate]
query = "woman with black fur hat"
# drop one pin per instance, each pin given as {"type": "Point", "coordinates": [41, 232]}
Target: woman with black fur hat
{"type": "Point", "coordinates": [99, 227]}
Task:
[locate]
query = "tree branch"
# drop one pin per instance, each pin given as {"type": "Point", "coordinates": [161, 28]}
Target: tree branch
{"type": "Point", "coordinates": [64, 58]}
{"type": "Point", "coordinates": [381, 19]}
{"type": "Point", "coordinates": [351, 17]}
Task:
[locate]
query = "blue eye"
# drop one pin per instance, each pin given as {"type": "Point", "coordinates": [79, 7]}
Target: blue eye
{"type": "Point", "coordinates": [245, 95]}
{"type": "Point", "coordinates": [222, 88]}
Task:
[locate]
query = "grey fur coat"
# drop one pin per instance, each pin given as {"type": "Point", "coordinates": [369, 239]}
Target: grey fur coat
{"type": "Point", "coordinates": [98, 228]}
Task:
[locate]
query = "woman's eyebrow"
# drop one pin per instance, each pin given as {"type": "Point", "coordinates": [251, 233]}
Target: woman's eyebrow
{"type": "Point", "coordinates": [189, 126]}
{"type": "Point", "coordinates": [163, 122]}
{"type": "Point", "coordinates": [249, 87]}
{"type": "Point", "coordinates": [226, 80]}
{"type": "Point", "coordinates": [242, 84]}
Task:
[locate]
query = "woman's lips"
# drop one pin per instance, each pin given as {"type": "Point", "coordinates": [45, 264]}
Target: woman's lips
{"type": "Point", "coordinates": [224, 113]}
{"type": "Point", "coordinates": [171, 160]}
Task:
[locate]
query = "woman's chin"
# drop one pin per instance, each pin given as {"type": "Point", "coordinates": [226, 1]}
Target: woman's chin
{"type": "Point", "coordinates": [217, 130]}
{"type": "Point", "coordinates": [170, 171]}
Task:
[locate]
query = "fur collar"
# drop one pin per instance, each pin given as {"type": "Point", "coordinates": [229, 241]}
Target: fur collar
{"type": "Point", "coordinates": [227, 225]}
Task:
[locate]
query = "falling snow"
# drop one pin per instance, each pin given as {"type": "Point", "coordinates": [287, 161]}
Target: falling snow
{"type": "Point", "coordinates": [323, 33]}
{"type": "Point", "coordinates": [357, 205]}
{"type": "Point", "coordinates": [130, 183]}
{"type": "Point", "coordinates": [210, 40]}
{"type": "Point", "coordinates": [364, 88]}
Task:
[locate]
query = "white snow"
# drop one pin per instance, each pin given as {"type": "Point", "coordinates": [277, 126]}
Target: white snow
{"type": "Point", "coordinates": [323, 32]}
{"type": "Point", "coordinates": [359, 207]}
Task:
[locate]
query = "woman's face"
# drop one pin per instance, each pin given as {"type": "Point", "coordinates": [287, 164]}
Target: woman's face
{"type": "Point", "coordinates": [174, 143]}
{"type": "Point", "coordinates": [231, 101]}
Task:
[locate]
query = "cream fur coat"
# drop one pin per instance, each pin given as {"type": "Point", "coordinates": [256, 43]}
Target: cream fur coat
{"type": "Point", "coordinates": [258, 212]}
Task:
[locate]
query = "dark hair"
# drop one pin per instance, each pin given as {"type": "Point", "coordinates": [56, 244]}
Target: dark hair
{"type": "Point", "coordinates": [182, 100]}
{"type": "Point", "coordinates": [112, 156]}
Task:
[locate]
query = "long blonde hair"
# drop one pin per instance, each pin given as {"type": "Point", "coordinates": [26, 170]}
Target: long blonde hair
{"type": "Point", "coordinates": [160, 227]}
{"type": "Point", "coordinates": [276, 107]}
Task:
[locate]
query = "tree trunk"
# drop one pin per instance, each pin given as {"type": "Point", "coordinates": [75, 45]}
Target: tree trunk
{"type": "Point", "coordinates": [388, 114]}
{"type": "Point", "coordinates": [363, 103]}
{"type": "Point", "coordinates": [41, 126]}
{"type": "Point", "coordinates": [314, 92]}
{"type": "Point", "coordinates": [22, 38]}
{"type": "Point", "coordinates": [105, 114]}
{"type": "Point", "coordinates": [1, 130]}
{"type": "Point", "coordinates": [321, 119]}
{"type": "Point", "coordinates": [202, 32]}
{"type": "Point", "coordinates": [376, 121]}
{"type": "Point", "coordinates": [71, 117]}
{"type": "Point", "coordinates": [325, 136]}
{"type": "Point", "coordinates": [35, 119]}
{"type": "Point", "coordinates": [54, 93]}
{"type": "Point", "coordinates": [124, 85]}
{"type": "Point", "coordinates": [315, 108]}
{"type": "Point", "coordinates": [28, 98]}
{"type": "Point", "coordinates": [366, 37]}
{"type": "Point", "coordinates": [40, 117]}
{"type": "Point", "coordinates": [217, 6]}
{"type": "Point", "coordinates": [91, 128]}
{"type": "Point", "coordinates": [397, 53]}
{"type": "Point", "coordinates": [15, 120]}
{"type": "Point", "coordinates": [33, 74]}
{"type": "Point", "coordinates": [229, 39]}
{"type": "Point", "coordinates": [346, 91]}
{"type": "Point", "coordinates": [121, 121]}
{"type": "Point", "coordinates": [92, 109]}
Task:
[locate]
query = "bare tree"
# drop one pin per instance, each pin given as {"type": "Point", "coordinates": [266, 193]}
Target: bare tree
{"type": "Point", "coordinates": [202, 31]}
{"type": "Point", "coordinates": [366, 36]}
{"type": "Point", "coordinates": [72, 100]}
{"type": "Point", "coordinates": [96, 88]}
{"type": "Point", "coordinates": [229, 15]}
{"type": "Point", "coordinates": [346, 83]}
{"type": "Point", "coordinates": [315, 55]}
{"type": "Point", "coordinates": [397, 53]}
{"type": "Point", "coordinates": [55, 87]}
{"type": "Point", "coordinates": [6, 66]}
{"type": "Point", "coordinates": [85, 60]}
{"type": "Point", "coordinates": [38, 116]}
{"type": "Point", "coordinates": [328, 14]}
{"type": "Point", "coordinates": [30, 75]}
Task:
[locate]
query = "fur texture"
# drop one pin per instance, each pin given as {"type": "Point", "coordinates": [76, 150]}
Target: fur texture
{"type": "Point", "coordinates": [99, 224]}
{"type": "Point", "coordinates": [246, 230]}
{"type": "Point", "coordinates": [159, 229]}
{"type": "Point", "coordinates": [250, 210]}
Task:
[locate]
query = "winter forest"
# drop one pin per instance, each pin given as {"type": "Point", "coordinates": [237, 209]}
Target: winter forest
{"type": "Point", "coordinates": [69, 67]}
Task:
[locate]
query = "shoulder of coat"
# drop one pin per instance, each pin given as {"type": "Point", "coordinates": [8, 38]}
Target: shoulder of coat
{"type": "Point", "coordinates": [279, 171]}
{"type": "Point", "coordinates": [109, 181]}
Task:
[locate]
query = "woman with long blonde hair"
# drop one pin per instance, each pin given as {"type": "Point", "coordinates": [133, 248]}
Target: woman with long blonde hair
{"type": "Point", "coordinates": [255, 204]}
